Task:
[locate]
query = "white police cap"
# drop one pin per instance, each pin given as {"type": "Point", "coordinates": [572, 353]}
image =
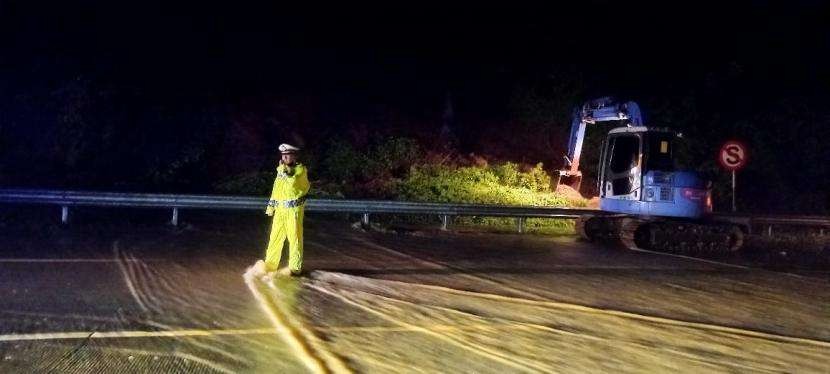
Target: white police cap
{"type": "Point", "coordinates": [288, 148]}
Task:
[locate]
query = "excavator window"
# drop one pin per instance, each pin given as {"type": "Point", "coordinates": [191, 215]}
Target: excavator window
{"type": "Point", "coordinates": [624, 154]}
{"type": "Point", "coordinates": [659, 152]}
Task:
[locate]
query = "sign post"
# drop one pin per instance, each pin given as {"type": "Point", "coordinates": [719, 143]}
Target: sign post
{"type": "Point", "coordinates": [734, 209]}
{"type": "Point", "coordinates": [732, 157]}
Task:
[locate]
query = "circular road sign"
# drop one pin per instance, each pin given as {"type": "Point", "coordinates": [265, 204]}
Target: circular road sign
{"type": "Point", "coordinates": [732, 155]}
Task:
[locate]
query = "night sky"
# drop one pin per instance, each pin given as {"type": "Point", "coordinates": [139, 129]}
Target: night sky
{"type": "Point", "coordinates": [630, 49]}
{"type": "Point", "coordinates": [736, 61]}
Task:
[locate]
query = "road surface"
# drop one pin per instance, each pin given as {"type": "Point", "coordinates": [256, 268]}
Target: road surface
{"type": "Point", "coordinates": [150, 298]}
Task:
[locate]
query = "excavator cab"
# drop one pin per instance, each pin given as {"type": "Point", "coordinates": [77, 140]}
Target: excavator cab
{"type": "Point", "coordinates": [638, 175]}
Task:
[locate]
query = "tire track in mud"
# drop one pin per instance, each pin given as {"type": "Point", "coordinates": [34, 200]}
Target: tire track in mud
{"type": "Point", "coordinates": [171, 295]}
{"type": "Point", "coordinates": [805, 278]}
{"type": "Point", "coordinates": [771, 335]}
{"type": "Point", "coordinates": [536, 298]}
{"type": "Point", "coordinates": [160, 294]}
{"type": "Point", "coordinates": [145, 283]}
{"type": "Point", "coordinates": [381, 289]}
{"type": "Point", "coordinates": [174, 295]}
{"type": "Point", "coordinates": [141, 279]}
{"type": "Point", "coordinates": [612, 312]}
{"type": "Point", "coordinates": [462, 272]}
{"type": "Point", "coordinates": [483, 351]}
{"type": "Point", "coordinates": [438, 266]}
{"type": "Point", "coordinates": [127, 276]}
{"type": "Point", "coordinates": [477, 349]}
{"type": "Point", "coordinates": [301, 340]}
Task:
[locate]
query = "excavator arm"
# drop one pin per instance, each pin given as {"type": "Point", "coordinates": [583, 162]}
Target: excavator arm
{"type": "Point", "coordinates": [597, 110]}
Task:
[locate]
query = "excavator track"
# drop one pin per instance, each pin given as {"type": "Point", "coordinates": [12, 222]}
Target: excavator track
{"type": "Point", "coordinates": [660, 234]}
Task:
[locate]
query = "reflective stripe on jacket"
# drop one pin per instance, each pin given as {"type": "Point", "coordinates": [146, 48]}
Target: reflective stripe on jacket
{"type": "Point", "coordinates": [290, 186]}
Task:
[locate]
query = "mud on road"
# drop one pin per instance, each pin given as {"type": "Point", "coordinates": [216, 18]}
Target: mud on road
{"type": "Point", "coordinates": [144, 297]}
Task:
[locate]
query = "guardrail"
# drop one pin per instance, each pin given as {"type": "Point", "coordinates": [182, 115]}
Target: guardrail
{"type": "Point", "coordinates": [770, 221]}
{"type": "Point", "coordinates": [67, 199]}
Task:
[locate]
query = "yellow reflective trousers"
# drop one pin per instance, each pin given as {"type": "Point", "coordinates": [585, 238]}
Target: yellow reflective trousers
{"type": "Point", "coordinates": [287, 224]}
{"type": "Point", "coordinates": [287, 207]}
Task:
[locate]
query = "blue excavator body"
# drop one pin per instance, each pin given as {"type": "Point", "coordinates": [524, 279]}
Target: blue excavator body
{"type": "Point", "coordinates": [637, 174]}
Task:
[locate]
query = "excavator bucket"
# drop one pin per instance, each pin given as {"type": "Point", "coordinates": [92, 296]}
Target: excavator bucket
{"type": "Point", "coordinates": [569, 179]}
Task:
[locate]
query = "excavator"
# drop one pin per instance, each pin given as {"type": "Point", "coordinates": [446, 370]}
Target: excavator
{"type": "Point", "coordinates": [646, 201]}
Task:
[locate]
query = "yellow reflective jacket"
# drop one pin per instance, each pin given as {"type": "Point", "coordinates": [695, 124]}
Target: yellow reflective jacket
{"type": "Point", "coordinates": [290, 186]}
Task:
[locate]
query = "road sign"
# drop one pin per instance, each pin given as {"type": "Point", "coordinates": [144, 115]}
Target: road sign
{"type": "Point", "coordinates": [732, 155]}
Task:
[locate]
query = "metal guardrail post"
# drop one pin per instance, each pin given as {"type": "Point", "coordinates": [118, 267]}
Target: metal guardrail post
{"type": "Point", "coordinates": [175, 220]}
{"type": "Point", "coordinates": [64, 214]}
{"type": "Point", "coordinates": [445, 222]}
{"type": "Point", "coordinates": [520, 223]}
{"type": "Point", "coordinates": [769, 230]}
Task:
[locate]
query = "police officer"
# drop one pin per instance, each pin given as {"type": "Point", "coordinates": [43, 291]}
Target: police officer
{"type": "Point", "coordinates": [287, 207]}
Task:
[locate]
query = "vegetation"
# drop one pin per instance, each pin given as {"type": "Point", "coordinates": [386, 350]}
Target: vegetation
{"type": "Point", "coordinates": [91, 132]}
{"type": "Point", "coordinates": [503, 184]}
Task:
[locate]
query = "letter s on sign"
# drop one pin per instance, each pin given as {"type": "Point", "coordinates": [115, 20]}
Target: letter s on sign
{"type": "Point", "coordinates": [733, 154]}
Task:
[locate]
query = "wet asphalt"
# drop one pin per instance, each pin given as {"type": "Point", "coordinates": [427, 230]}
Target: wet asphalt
{"type": "Point", "coordinates": [106, 295]}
